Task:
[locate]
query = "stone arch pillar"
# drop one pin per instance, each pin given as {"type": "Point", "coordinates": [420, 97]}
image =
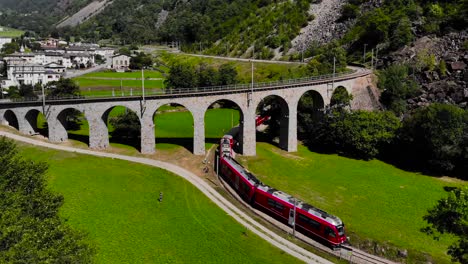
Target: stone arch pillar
{"type": "Point", "coordinates": [28, 124]}
{"type": "Point", "coordinates": [247, 133]}
{"type": "Point", "coordinates": [288, 133]}
{"type": "Point", "coordinates": [198, 132]}
{"type": "Point", "coordinates": [56, 123]}
{"type": "Point", "coordinates": [2, 119]}
{"type": "Point", "coordinates": [148, 142]}
{"type": "Point", "coordinates": [98, 134]}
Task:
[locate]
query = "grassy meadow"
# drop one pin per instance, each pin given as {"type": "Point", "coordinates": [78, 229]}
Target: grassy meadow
{"type": "Point", "coordinates": [263, 72]}
{"type": "Point", "coordinates": [375, 200]}
{"type": "Point", "coordinates": [116, 204]}
{"type": "Point", "coordinates": [10, 32]}
{"type": "Point", "coordinates": [105, 82]}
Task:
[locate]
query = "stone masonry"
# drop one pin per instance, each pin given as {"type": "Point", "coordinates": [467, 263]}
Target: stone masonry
{"type": "Point", "coordinates": [24, 116]}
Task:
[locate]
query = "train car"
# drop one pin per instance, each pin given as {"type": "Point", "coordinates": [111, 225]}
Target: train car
{"type": "Point", "coordinates": [242, 181]}
{"type": "Point", "coordinates": [226, 146]}
{"type": "Point", "coordinates": [259, 120]}
{"type": "Point", "coordinates": [309, 220]}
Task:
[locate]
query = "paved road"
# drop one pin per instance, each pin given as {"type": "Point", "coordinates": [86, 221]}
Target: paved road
{"type": "Point", "coordinates": [206, 189]}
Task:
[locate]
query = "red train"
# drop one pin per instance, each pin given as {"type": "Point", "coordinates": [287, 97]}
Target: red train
{"type": "Point", "coordinates": [309, 220]}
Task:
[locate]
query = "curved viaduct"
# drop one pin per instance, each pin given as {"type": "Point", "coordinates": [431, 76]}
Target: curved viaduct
{"type": "Point", "coordinates": [23, 115]}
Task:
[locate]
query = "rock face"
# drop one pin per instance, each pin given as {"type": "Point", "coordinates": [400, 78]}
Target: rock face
{"type": "Point", "coordinates": [450, 86]}
{"type": "Point", "coordinates": [324, 27]}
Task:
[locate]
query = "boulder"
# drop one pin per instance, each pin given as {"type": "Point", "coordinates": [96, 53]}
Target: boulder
{"type": "Point", "coordinates": [403, 253]}
{"type": "Point", "coordinates": [457, 66]}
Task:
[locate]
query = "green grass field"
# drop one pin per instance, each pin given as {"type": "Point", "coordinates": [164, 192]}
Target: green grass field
{"type": "Point", "coordinates": [263, 72]}
{"type": "Point", "coordinates": [134, 74]}
{"type": "Point", "coordinates": [375, 200]}
{"type": "Point", "coordinates": [111, 87]}
{"type": "Point", "coordinates": [116, 203]}
{"type": "Point", "coordinates": [10, 32]}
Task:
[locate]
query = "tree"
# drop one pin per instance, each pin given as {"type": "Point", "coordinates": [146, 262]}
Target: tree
{"type": "Point", "coordinates": [450, 215]}
{"type": "Point", "coordinates": [358, 134]}
{"type": "Point", "coordinates": [227, 74]}
{"type": "Point", "coordinates": [341, 98]}
{"type": "Point", "coordinates": [9, 48]}
{"type": "Point", "coordinates": [127, 127]}
{"type": "Point", "coordinates": [402, 34]}
{"type": "Point", "coordinates": [141, 60]}
{"type": "Point", "coordinates": [397, 87]}
{"type": "Point", "coordinates": [27, 91]}
{"type": "Point", "coordinates": [124, 51]}
{"type": "Point", "coordinates": [63, 88]}
{"type": "Point", "coordinates": [435, 139]}
{"type": "Point", "coordinates": [181, 75]}
{"type": "Point", "coordinates": [207, 76]}
{"type": "Point", "coordinates": [31, 230]}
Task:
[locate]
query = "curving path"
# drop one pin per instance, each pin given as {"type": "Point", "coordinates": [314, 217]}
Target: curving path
{"type": "Point", "coordinates": [206, 189]}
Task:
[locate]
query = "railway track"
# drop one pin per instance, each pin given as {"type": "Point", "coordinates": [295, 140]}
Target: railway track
{"type": "Point", "coordinates": [347, 253]}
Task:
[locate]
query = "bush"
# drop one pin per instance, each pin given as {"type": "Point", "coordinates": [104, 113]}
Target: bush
{"type": "Point", "coordinates": [435, 139]}
{"type": "Point", "coordinates": [358, 134]}
{"type": "Point", "coordinates": [349, 11]}
{"type": "Point", "coordinates": [397, 87]}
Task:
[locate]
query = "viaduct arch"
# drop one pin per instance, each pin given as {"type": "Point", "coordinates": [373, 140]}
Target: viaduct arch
{"type": "Point", "coordinates": [22, 115]}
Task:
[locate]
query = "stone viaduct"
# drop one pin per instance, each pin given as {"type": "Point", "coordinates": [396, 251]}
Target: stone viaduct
{"type": "Point", "coordinates": [23, 115]}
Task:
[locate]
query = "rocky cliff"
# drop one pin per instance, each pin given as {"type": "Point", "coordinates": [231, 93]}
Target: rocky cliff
{"type": "Point", "coordinates": [440, 65]}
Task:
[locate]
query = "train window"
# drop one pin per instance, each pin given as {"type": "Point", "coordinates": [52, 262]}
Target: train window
{"type": "Point", "coordinates": [340, 230]}
{"type": "Point", "coordinates": [330, 232]}
{"type": "Point", "coordinates": [310, 222]}
{"type": "Point", "coordinates": [245, 187]}
{"type": "Point", "coordinates": [275, 204]}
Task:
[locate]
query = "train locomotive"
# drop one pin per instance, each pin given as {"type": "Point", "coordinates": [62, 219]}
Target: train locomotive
{"type": "Point", "coordinates": [307, 219]}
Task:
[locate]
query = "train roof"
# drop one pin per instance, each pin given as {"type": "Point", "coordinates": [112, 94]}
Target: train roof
{"type": "Point", "coordinates": [246, 174]}
{"type": "Point", "coordinates": [301, 205]}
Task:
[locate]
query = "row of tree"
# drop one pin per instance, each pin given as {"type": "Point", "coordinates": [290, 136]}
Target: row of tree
{"type": "Point", "coordinates": [62, 88]}
{"type": "Point", "coordinates": [433, 139]}
{"type": "Point", "coordinates": [187, 75]}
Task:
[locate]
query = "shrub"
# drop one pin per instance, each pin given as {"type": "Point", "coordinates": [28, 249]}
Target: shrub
{"type": "Point", "coordinates": [358, 134]}
{"type": "Point", "coordinates": [435, 139]}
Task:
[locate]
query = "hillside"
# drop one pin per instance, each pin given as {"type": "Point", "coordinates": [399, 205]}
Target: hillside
{"type": "Point", "coordinates": [37, 15]}
{"type": "Point", "coordinates": [87, 12]}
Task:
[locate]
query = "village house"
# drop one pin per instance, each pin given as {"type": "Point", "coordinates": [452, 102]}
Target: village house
{"type": "Point", "coordinates": [121, 62]}
{"type": "Point", "coordinates": [32, 74]}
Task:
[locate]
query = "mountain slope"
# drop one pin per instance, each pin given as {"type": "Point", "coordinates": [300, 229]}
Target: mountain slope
{"type": "Point", "coordinates": [87, 12]}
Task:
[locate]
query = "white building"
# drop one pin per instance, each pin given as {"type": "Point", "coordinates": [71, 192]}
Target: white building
{"type": "Point", "coordinates": [120, 62]}
{"type": "Point", "coordinates": [105, 52]}
{"type": "Point", "coordinates": [3, 41]}
{"type": "Point", "coordinates": [32, 74]}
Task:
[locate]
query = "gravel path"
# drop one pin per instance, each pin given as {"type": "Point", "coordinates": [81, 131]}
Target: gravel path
{"type": "Point", "coordinates": [206, 189]}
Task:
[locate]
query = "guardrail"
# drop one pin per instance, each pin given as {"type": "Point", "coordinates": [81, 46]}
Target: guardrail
{"type": "Point", "coordinates": [201, 90]}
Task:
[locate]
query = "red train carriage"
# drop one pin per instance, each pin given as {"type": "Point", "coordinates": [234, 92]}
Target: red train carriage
{"type": "Point", "coordinates": [309, 220]}
{"type": "Point", "coordinates": [243, 182]}
{"type": "Point", "coordinates": [226, 146]}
